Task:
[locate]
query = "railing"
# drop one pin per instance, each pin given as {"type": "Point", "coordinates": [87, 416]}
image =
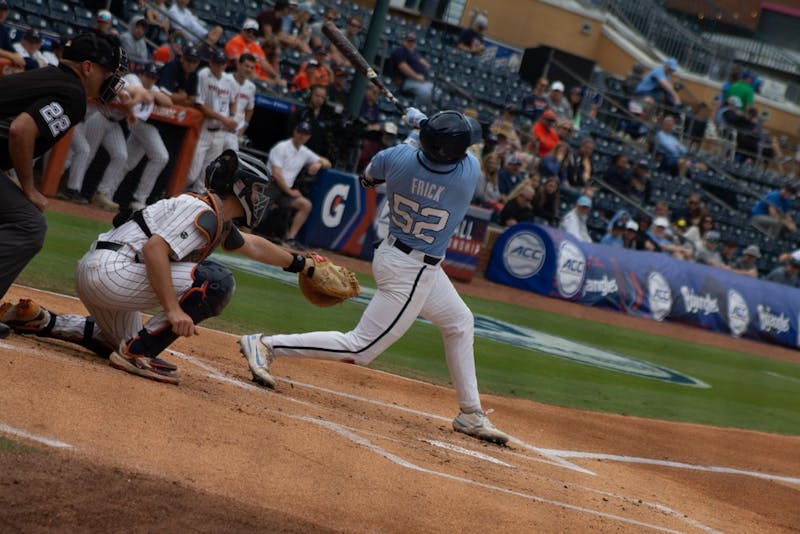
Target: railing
{"type": "Point", "coordinates": [667, 34]}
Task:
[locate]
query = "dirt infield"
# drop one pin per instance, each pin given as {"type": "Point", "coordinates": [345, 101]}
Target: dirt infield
{"type": "Point", "coordinates": [343, 448]}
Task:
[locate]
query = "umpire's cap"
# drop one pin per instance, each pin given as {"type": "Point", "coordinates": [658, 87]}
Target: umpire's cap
{"type": "Point", "coordinates": [105, 50]}
{"type": "Point", "coordinates": [447, 135]}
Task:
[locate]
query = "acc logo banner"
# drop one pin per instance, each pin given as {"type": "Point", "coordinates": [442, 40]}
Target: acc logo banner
{"type": "Point", "coordinates": [571, 269]}
{"type": "Point", "coordinates": [524, 255]}
{"type": "Point", "coordinates": [659, 295]}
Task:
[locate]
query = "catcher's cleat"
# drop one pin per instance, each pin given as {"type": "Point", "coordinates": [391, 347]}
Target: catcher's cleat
{"type": "Point", "coordinates": [259, 355]}
{"type": "Point", "coordinates": [4, 330]}
{"type": "Point", "coordinates": [477, 425]}
{"type": "Point", "coordinates": [25, 316]}
{"type": "Point", "coordinates": [141, 365]}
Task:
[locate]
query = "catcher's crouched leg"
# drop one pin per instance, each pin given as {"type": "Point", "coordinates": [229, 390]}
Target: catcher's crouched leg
{"type": "Point", "coordinates": [212, 289]}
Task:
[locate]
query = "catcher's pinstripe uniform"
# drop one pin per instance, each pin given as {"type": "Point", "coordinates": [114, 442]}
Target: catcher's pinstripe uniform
{"type": "Point", "coordinates": [428, 191]}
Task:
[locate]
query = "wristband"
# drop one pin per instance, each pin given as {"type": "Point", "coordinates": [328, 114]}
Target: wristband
{"type": "Point", "coordinates": [297, 265]}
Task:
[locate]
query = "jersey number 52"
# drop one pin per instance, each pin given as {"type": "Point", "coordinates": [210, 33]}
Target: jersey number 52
{"type": "Point", "coordinates": [404, 211]}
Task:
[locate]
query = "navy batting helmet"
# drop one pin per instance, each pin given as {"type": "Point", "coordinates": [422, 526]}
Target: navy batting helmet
{"type": "Point", "coordinates": [243, 176]}
{"type": "Point", "coordinates": [446, 136]}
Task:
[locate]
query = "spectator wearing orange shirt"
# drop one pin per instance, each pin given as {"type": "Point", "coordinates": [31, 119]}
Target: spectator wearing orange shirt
{"type": "Point", "coordinates": [172, 49]}
{"type": "Point", "coordinates": [544, 132]}
{"type": "Point", "coordinates": [245, 41]}
{"type": "Point", "coordinates": [314, 72]}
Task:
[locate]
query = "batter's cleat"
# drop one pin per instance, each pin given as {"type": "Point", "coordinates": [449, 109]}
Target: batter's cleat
{"type": "Point", "coordinates": [141, 365]}
{"type": "Point", "coordinates": [259, 355]}
{"type": "Point", "coordinates": [4, 330]}
{"type": "Point", "coordinates": [477, 425]}
{"type": "Point", "coordinates": [102, 201]}
{"type": "Point", "coordinates": [25, 316]}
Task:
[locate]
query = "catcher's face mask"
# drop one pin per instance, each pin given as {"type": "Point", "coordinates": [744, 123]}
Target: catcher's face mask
{"type": "Point", "coordinates": [254, 200]}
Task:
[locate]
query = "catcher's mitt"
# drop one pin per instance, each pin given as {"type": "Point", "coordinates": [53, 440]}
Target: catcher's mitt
{"type": "Point", "coordinates": [326, 283]}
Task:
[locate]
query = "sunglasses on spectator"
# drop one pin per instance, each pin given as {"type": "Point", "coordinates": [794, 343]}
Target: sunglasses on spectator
{"type": "Point", "coordinates": [252, 31]}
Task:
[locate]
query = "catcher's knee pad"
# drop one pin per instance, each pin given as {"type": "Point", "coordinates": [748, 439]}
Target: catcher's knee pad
{"type": "Point", "coordinates": [212, 289]}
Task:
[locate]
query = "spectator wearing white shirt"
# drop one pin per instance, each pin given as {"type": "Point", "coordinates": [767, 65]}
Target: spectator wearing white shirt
{"type": "Point", "coordinates": [574, 222]}
{"type": "Point", "coordinates": [180, 13]}
{"type": "Point", "coordinates": [244, 97]}
{"type": "Point", "coordinates": [29, 47]}
{"type": "Point", "coordinates": [286, 159]}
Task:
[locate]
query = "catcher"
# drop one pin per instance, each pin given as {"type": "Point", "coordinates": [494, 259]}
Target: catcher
{"type": "Point", "coordinates": [158, 258]}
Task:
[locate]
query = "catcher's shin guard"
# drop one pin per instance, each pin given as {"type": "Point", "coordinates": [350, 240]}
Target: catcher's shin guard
{"type": "Point", "coordinates": [212, 289]}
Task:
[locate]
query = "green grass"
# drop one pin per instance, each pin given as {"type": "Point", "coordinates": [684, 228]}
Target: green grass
{"type": "Point", "coordinates": [7, 446]}
{"type": "Point", "coordinates": [747, 391]}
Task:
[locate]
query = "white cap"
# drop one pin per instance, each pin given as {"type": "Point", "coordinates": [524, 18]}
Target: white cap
{"type": "Point", "coordinates": [390, 128]}
{"type": "Point", "coordinates": [631, 225]}
{"type": "Point", "coordinates": [557, 86]}
{"type": "Point", "coordinates": [661, 221]}
{"type": "Point", "coordinates": [250, 24]}
{"type": "Point", "coordinates": [795, 258]}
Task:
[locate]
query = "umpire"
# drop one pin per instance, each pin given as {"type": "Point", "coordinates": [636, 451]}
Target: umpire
{"type": "Point", "coordinates": [37, 108]}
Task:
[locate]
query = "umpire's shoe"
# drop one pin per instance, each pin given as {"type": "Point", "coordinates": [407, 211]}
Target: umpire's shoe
{"type": "Point", "coordinates": [259, 355]}
{"type": "Point", "coordinates": [477, 425]}
{"type": "Point", "coordinates": [4, 330]}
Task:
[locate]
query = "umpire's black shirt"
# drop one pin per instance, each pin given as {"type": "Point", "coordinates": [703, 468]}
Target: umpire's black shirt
{"type": "Point", "coordinates": [53, 96]}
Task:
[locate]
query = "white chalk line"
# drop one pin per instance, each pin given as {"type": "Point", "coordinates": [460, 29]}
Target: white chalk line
{"type": "Point", "coordinates": [778, 375]}
{"type": "Point", "coordinates": [5, 429]}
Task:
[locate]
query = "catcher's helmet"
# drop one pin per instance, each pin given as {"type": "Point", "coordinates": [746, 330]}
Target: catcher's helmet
{"type": "Point", "coordinates": [105, 50]}
{"type": "Point", "coordinates": [446, 136]}
{"type": "Point", "coordinates": [243, 176]}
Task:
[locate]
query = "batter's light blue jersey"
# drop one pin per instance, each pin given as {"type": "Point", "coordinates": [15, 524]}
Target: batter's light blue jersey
{"type": "Point", "coordinates": [427, 201]}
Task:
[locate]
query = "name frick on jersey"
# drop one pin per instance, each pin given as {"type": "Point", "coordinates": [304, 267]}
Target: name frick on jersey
{"type": "Point", "coordinates": [426, 189]}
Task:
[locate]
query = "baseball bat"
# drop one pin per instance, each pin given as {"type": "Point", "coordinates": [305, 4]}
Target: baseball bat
{"type": "Point", "coordinates": [352, 55]}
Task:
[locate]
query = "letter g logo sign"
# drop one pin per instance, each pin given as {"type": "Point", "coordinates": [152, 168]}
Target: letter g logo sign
{"type": "Point", "coordinates": [334, 204]}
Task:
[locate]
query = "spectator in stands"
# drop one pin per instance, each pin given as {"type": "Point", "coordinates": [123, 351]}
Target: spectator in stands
{"type": "Point", "coordinates": [133, 40]}
{"type": "Point", "coordinates": [339, 90]}
{"type": "Point", "coordinates": [633, 79]}
{"type": "Point", "coordinates": [185, 19]}
{"type": "Point", "coordinates": [556, 101]}
{"type": "Point", "coordinates": [547, 202]}
{"type": "Point", "coordinates": [634, 128]}
{"type": "Point", "coordinates": [318, 38]}
{"type": "Point", "coordinates": [383, 135]}
{"type": "Point", "coordinates": [614, 236]}
{"type": "Point", "coordinates": [411, 70]}
{"type": "Point", "coordinates": [618, 174]}
{"type": "Point", "coordinates": [157, 19]}
{"type": "Point", "coordinates": [320, 117]}
{"type": "Point", "coordinates": [510, 175]}
{"type": "Point", "coordinates": [579, 170]}
{"type": "Point", "coordinates": [245, 41]}
{"type": "Point", "coordinates": [286, 160]}
{"type": "Point", "coordinates": [662, 241]}
{"type": "Point", "coordinates": [178, 78]}
{"type": "Point", "coordinates": [487, 192]}
{"type": "Point", "coordinates": [352, 31]}
{"type": "Point", "coordinates": [53, 56]}
{"type": "Point", "coordinates": [207, 46]}
{"type": "Point", "coordinates": [741, 89]}
{"type": "Point", "coordinates": [370, 109]}
{"type": "Point", "coordinates": [555, 163]}
{"type": "Point", "coordinates": [657, 84]}
{"type": "Point", "coordinates": [771, 213]}
{"type": "Point", "coordinates": [470, 39]}
{"type": "Point", "coordinates": [565, 129]}
{"type": "Point", "coordinates": [630, 235]}
{"type": "Point", "coordinates": [544, 133]}
{"type": "Point", "coordinates": [171, 49]}
{"type": "Point", "coordinates": [746, 263]}
{"type": "Point", "coordinates": [299, 34]}
{"type": "Point", "coordinates": [672, 151]}
{"type": "Point", "coordinates": [271, 18]}
{"type": "Point", "coordinates": [315, 71]}
{"type": "Point", "coordinates": [708, 251]}
{"type": "Point", "coordinates": [639, 187]}
{"type": "Point", "coordinates": [574, 222]}
{"type": "Point", "coordinates": [788, 273]}
{"type": "Point", "coordinates": [6, 45]}
{"type": "Point", "coordinates": [535, 103]}
{"type": "Point", "coordinates": [29, 48]}
{"type": "Point", "coordinates": [692, 213]}
{"type": "Point", "coordinates": [519, 206]}
{"type": "Point", "coordinates": [103, 22]}
{"type": "Point", "coordinates": [575, 99]}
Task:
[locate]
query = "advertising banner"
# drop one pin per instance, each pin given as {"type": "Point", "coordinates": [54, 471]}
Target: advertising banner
{"type": "Point", "coordinates": [648, 284]}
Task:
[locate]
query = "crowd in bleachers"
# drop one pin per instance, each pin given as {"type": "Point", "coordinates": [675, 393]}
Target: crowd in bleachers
{"type": "Point", "coordinates": [609, 160]}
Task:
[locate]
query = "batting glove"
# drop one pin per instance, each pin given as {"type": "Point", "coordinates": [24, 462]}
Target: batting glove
{"type": "Point", "coordinates": [414, 117]}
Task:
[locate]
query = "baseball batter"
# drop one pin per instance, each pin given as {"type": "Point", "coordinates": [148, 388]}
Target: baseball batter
{"type": "Point", "coordinates": [428, 191]}
{"type": "Point", "coordinates": [215, 100]}
{"type": "Point", "coordinates": [244, 98]}
{"type": "Point", "coordinates": [158, 259]}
